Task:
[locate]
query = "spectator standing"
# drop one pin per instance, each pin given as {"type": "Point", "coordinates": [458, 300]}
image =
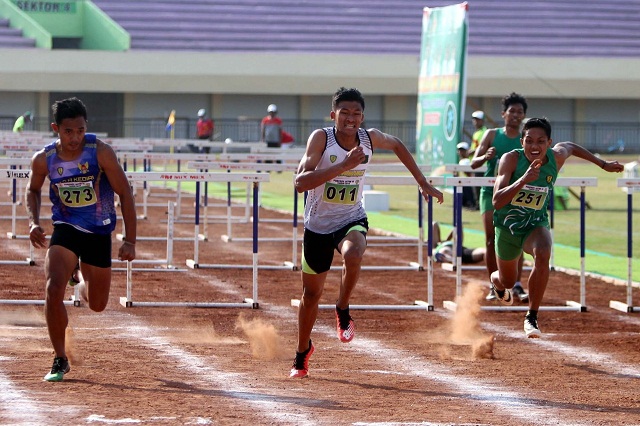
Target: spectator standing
{"type": "Point", "coordinates": [469, 197]}
{"type": "Point", "coordinates": [25, 118]}
{"type": "Point", "coordinates": [204, 127]}
{"type": "Point", "coordinates": [271, 128]}
{"type": "Point", "coordinates": [477, 118]}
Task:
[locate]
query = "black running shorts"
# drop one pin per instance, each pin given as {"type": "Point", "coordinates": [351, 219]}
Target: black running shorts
{"type": "Point", "coordinates": [92, 249]}
{"type": "Point", "coordinates": [317, 249]}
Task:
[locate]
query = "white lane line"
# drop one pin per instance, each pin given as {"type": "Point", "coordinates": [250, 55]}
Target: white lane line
{"type": "Point", "coordinates": [416, 424]}
{"type": "Point", "coordinates": [17, 406]}
{"type": "Point", "coordinates": [578, 353]}
{"type": "Point", "coordinates": [510, 403]}
{"type": "Point", "coordinates": [230, 384]}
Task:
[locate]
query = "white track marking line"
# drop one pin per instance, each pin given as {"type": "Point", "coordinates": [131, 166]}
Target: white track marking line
{"type": "Point", "coordinates": [510, 403]}
{"type": "Point", "coordinates": [416, 424]}
{"type": "Point", "coordinates": [579, 353]}
{"type": "Point", "coordinates": [231, 384]}
{"type": "Point", "coordinates": [17, 407]}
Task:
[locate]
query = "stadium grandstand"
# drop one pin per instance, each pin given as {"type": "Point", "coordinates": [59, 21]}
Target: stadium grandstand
{"type": "Point", "coordinates": [577, 61]}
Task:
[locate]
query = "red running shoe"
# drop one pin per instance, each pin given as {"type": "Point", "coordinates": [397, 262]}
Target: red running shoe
{"type": "Point", "coordinates": [300, 367]}
{"type": "Point", "coordinates": [344, 325]}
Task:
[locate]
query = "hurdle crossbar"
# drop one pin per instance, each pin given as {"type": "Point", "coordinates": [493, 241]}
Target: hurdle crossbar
{"type": "Point", "coordinates": [255, 178]}
{"type": "Point", "coordinates": [16, 175]}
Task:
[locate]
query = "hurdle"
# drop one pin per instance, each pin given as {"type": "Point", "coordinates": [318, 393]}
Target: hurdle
{"type": "Point", "coordinates": [487, 181]}
{"type": "Point", "coordinates": [630, 185]}
{"type": "Point", "coordinates": [148, 157]}
{"type": "Point", "coordinates": [24, 174]}
{"type": "Point", "coordinates": [14, 163]}
{"type": "Point", "coordinates": [165, 264]}
{"type": "Point", "coordinates": [402, 180]}
{"type": "Point", "coordinates": [15, 175]}
{"type": "Point", "coordinates": [229, 167]}
{"type": "Point", "coordinates": [369, 179]}
{"type": "Point", "coordinates": [256, 178]}
{"type": "Point", "coordinates": [420, 305]}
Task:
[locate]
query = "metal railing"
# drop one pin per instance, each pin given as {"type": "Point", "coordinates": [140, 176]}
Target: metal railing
{"type": "Point", "coordinates": [597, 137]}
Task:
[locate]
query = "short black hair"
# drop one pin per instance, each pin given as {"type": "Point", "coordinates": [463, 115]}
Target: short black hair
{"type": "Point", "coordinates": [514, 98]}
{"type": "Point", "coordinates": [344, 94]}
{"type": "Point", "coordinates": [68, 108]}
{"type": "Point", "coordinates": [540, 123]}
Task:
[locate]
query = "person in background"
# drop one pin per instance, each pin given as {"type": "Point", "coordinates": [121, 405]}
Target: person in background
{"type": "Point", "coordinates": [332, 171]}
{"type": "Point", "coordinates": [287, 140]}
{"type": "Point", "coordinates": [494, 144]}
{"type": "Point", "coordinates": [469, 198]}
{"type": "Point", "coordinates": [204, 128]}
{"type": "Point", "coordinates": [524, 182]}
{"type": "Point", "coordinates": [271, 128]}
{"type": "Point", "coordinates": [443, 249]}
{"type": "Point", "coordinates": [25, 118]}
{"type": "Point", "coordinates": [477, 118]}
{"type": "Point", "coordinates": [84, 174]}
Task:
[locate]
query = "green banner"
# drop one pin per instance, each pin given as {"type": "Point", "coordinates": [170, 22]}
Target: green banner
{"type": "Point", "coordinates": [441, 84]}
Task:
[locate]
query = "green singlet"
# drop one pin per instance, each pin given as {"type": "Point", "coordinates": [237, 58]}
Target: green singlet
{"type": "Point", "coordinates": [503, 144]}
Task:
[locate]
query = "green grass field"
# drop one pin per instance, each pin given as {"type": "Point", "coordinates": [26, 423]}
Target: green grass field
{"type": "Point", "coordinates": [606, 220]}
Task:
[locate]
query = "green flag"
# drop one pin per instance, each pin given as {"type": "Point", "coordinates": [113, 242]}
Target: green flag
{"type": "Point", "coordinates": [441, 84]}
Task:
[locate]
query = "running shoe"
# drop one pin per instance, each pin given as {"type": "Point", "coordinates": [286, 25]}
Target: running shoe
{"type": "Point", "coordinates": [506, 298]}
{"type": "Point", "coordinates": [300, 367]}
{"type": "Point", "coordinates": [491, 297]}
{"type": "Point", "coordinates": [519, 292]}
{"type": "Point", "coordinates": [531, 329]}
{"type": "Point", "coordinates": [75, 279]}
{"type": "Point", "coordinates": [59, 369]}
{"type": "Point", "coordinates": [344, 325]}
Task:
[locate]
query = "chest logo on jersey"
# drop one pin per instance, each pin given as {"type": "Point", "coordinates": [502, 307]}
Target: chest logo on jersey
{"type": "Point", "coordinates": [333, 158]}
{"type": "Point", "coordinates": [60, 170]}
{"type": "Point", "coordinates": [549, 179]}
{"type": "Point", "coordinates": [84, 168]}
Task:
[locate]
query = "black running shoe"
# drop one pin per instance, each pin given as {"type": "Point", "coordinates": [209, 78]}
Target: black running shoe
{"type": "Point", "coordinates": [300, 367]}
{"type": "Point", "coordinates": [531, 329]}
{"type": "Point", "coordinates": [58, 370]}
{"type": "Point", "coordinates": [506, 298]}
{"type": "Point", "coordinates": [519, 292]}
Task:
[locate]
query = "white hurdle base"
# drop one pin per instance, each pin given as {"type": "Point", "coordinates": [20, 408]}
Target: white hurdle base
{"type": "Point", "coordinates": [623, 307]}
{"type": "Point", "coordinates": [570, 306]}
{"type": "Point", "coordinates": [418, 305]}
{"type": "Point", "coordinates": [31, 302]}
{"type": "Point", "coordinates": [248, 303]}
{"type": "Point", "coordinates": [412, 266]}
{"type": "Point", "coordinates": [194, 265]}
{"type": "Point", "coordinates": [450, 267]}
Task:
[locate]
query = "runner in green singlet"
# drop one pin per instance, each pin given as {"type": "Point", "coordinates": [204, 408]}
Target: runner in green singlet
{"type": "Point", "coordinates": [494, 144]}
{"type": "Point", "coordinates": [521, 196]}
